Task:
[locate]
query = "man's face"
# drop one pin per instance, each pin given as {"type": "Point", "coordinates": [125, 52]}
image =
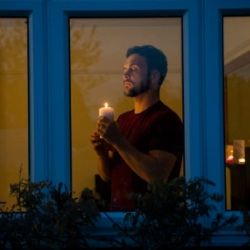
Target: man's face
{"type": "Point", "coordinates": [135, 75]}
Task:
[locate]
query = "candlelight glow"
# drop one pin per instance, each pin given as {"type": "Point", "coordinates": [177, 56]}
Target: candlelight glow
{"type": "Point", "coordinates": [242, 160]}
{"type": "Point", "coordinates": [106, 105]}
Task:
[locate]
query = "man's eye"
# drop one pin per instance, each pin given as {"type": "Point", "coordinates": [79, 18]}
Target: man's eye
{"type": "Point", "coordinates": [131, 69]}
{"type": "Point", "coordinates": [134, 68]}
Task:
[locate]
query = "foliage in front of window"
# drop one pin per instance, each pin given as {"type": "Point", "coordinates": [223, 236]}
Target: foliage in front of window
{"type": "Point", "coordinates": [170, 215]}
{"type": "Point", "coordinates": [173, 215]}
{"type": "Point", "coordinates": [245, 225]}
{"type": "Point", "coordinates": [46, 217]}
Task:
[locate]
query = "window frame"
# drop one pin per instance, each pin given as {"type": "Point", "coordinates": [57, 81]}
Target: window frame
{"type": "Point", "coordinates": [58, 65]}
{"type": "Point", "coordinates": [214, 10]}
{"type": "Point", "coordinates": [49, 83]}
{"type": "Point", "coordinates": [213, 82]}
{"type": "Point", "coordinates": [37, 97]}
{"type": "Point", "coordinates": [59, 47]}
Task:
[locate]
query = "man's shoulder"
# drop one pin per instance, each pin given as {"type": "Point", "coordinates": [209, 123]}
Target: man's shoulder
{"type": "Point", "coordinates": [165, 110]}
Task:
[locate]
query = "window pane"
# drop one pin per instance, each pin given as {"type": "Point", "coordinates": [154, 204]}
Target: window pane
{"type": "Point", "coordinates": [98, 48]}
{"type": "Point", "coordinates": [14, 103]}
{"type": "Point", "coordinates": [237, 106]}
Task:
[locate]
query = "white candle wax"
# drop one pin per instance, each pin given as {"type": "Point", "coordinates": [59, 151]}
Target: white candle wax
{"type": "Point", "coordinates": [107, 112]}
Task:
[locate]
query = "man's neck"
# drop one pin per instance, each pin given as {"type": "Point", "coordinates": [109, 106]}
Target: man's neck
{"type": "Point", "coordinates": [143, 102]}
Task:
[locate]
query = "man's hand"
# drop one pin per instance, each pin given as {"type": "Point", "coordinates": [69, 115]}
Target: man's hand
{"type": "Point", "coordinates": [108, 130]}
{"type": "Point", "coordinates": [100, 146]}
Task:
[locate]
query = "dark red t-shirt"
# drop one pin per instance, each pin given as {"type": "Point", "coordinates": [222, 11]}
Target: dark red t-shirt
{"type": "Point", "coordinates": [158, 127]}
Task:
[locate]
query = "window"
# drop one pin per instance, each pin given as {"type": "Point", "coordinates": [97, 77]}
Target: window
{"type": "Point", "coordinates": [97, 51]}
{"type": "Point", "coordinates": [236, 110]}
{"type": "Point", "coordinates": [46, 116]}
{"type": "Point", "coordinates": [14, 145]}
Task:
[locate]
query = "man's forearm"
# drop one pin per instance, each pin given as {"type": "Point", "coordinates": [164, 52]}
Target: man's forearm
{"type": "Point", "coordinates": [155, 166]}
{"type": "Point", "coordinates": [104, 168]}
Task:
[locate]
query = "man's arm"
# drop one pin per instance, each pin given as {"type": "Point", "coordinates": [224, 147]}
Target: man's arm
{"type": "Point", "coordinates": [157, 165]}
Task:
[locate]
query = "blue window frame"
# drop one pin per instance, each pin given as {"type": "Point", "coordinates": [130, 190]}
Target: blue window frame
{"type": "Point", "coordinates": [59, 63]}
{"type": "Point", "coordinates": [213, 86]}
{"type": "Point", "coordinates": [34, 12]}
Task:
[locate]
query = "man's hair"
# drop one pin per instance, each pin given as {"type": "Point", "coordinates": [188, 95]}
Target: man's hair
{"type": "Point", "coordinates": [156, 59]}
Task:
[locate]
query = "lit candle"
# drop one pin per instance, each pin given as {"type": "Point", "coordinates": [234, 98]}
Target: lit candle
{"type": "Point", "coordinates": [107, 112]}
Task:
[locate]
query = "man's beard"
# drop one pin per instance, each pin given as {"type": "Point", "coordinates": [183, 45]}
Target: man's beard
{"type": "Point", "coordinates": [133, 92]}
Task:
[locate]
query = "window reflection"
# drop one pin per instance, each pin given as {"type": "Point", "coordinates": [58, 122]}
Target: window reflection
{"type": "Point", "coordinates": [97, 51]}
{"type": "Point", "coordinates": [13, 104]}
{"type": "Point", "coordinates": [237, 105]}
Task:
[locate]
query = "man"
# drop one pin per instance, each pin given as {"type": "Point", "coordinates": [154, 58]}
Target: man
{"type": "Point", "coordinates": [146, 143]}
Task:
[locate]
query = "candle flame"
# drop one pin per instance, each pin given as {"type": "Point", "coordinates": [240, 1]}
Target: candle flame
{"type": "Point", "coordinates": [106, 105]}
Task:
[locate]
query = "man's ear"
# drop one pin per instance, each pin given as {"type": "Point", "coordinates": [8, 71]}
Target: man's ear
{"type": "Point", "coordinates": [155, 78]}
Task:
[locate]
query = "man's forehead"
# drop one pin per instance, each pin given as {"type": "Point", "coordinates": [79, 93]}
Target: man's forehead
{"type": "Point", "coordinates": [136, 59]}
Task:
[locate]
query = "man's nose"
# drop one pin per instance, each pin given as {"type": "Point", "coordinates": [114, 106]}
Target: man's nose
{"type": "Point", "coordinates": [125, 77]}
{"type": "Point", "coordinates": [126, 74]}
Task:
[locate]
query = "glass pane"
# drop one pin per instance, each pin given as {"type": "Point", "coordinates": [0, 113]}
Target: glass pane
{"type": "Point", "coordinates": [98, 48]}
{"type": "Point", "coordinates": [237, 106]}
{"type": "Point", "coordinates": [14, 104]}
